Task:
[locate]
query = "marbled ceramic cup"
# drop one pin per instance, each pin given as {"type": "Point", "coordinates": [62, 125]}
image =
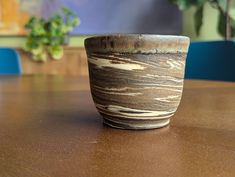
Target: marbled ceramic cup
{"type": "Point", "coordinates": [136, 80]}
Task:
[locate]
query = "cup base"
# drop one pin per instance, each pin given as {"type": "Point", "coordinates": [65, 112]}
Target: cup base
{"type": "Point", "coordinates": [136, 124]}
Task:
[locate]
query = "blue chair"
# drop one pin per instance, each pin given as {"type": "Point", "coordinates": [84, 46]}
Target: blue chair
{"type": "Point", "coordinates": [211, 61]}
{"type": "Point", "coordinates": [9, 62]}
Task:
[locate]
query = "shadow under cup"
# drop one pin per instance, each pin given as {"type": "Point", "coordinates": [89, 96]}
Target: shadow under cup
{"type": "Point", "coordinates": [136, 80]}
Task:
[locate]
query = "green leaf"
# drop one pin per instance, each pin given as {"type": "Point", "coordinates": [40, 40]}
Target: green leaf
{"type": "Point", "coordinates": [44, 40]}
{"type": "Point", "coordinates": [222, 4]}
{"type": "Point", "coordinates": [38, 50]}
{"type": "Point", "coordinates": [64, 28]}
{"type": "Point", "coordinates": [221, 26]}
{"type": "Point", "coordinates": [182, 5]}
{"type": "Point", "coordinates": [232, 28]}
{"type": "Point", "coordinates": [198, 19]}
{"type": "Point", "coordinates": [42, 57]}
{"type": "Point", "coordinates": [56, 52]}
{"type": "Point", "coordinates": [67, 11]}
{"type": "Point", "coordinates": [67, 29]}
{"type": "Point", "coordinates": [75, 22]}
{"type": "Point", "coordinates": [25, 47]}
{"type": "Point", "coordinates": [185, 4]}
{"type": "Point", "coordinates": [32, 21]}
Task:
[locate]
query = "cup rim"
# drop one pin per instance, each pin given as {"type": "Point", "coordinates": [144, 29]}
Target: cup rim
{"type": "Point", "coordinates": [137, 43]}
{"type": "Point", "coordinates": [130, 35]}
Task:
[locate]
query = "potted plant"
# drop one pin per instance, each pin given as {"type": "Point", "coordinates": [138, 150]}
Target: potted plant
{"type": "Point", "coordinates": [46, 37]}
{"type": "Point", "coordinates": [226, 22]}
{"type": "Point", "coordinates": [212, 59]}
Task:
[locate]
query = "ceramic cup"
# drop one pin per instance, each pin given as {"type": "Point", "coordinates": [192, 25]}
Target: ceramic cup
{"type": "Point", "coordinates": [136, 81]}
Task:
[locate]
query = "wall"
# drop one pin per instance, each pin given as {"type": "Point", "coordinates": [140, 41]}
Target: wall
{"type": "Point", "coordinates": [18, 41]}
{"type": "Point", "coordinates": [209, 28]}
{"type": "Point", "coordinates": [208, 31]}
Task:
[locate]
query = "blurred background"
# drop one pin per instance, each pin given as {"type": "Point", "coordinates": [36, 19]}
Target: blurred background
{"type": "Point", "coordinates": [63, 52]}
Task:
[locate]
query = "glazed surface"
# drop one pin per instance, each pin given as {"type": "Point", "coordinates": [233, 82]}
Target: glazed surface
{"type": "Point", "coordinates": [138, 43]}
{"type": "Point", "coordinates": [135, 86]}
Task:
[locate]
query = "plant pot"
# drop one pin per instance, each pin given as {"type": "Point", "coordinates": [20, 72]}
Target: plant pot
{"type": "Point", "coordinates": [136, 80]}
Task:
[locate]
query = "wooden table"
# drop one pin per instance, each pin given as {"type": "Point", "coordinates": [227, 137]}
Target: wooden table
{"type": "Point", "coordinates": [49, 127]}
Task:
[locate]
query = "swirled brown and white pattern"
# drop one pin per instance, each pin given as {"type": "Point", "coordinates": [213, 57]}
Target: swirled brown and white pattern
{"type": "Point", "coordinates": [135, 89]}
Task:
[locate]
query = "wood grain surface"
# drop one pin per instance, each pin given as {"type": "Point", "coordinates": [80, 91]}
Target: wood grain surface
{"type": "Point", "coordinates": [73, 63]}
{"type": "Point", "coordinates": [49, 127]}
{"type": "Point", "coordinates": [136, 80]}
